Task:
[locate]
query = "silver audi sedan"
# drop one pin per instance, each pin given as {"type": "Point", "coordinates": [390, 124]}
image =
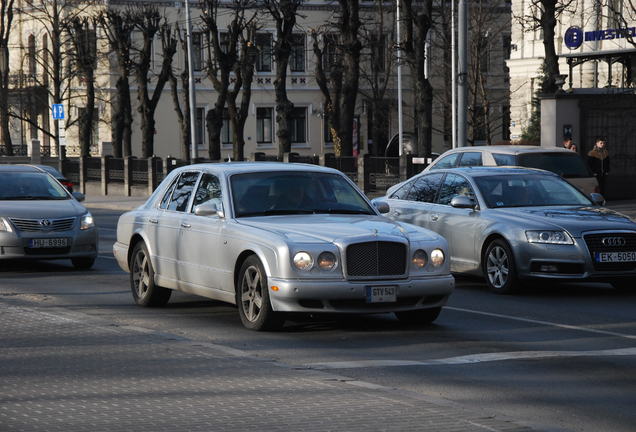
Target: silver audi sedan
{"type": "Point", "coordinates": [516, 224]}
{"type": "Point", "coordinates": [275, 238]}
{"type": "Point", "coordinates": [40, 219]}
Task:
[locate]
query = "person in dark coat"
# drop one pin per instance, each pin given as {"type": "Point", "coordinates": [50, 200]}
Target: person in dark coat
{"type": "Point", "coordinates": [599, 161]}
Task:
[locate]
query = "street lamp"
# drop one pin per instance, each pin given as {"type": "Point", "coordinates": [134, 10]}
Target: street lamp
{"type": "Point", "coordinates": [399, 77]}
{"type": "Point", "coordinates": [192, 96]}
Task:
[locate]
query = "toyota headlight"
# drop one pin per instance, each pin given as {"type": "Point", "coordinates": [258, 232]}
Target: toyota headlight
{"type": "Point", "coordinates": [437, 257]}
{"type": "Point", "coordinates": [419, 259]}
{"type": "Point", "coordinates": [87, 222]}
{"type": "Point", "coordinates": [303, 261]}
{"type": "Point", "coordinates": [327, 261]}
{"type": "Point", "coordinates": [549, 237]}
{"type": "Point", "coordinates": [5, 226]}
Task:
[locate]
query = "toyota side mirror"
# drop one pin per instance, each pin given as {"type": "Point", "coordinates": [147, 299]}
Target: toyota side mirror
{"type": "Point", "coordinates": [382, 206]}
{"type": "Point", "coordinates": [597, 199]}
{"type": "Point", "coordinates": [79, 196]}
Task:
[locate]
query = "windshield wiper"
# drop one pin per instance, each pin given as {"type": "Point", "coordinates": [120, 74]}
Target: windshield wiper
{"type": "Point", "coordinates": [275, 212]}
{"type": "Point", "coordinates": [341, 211]}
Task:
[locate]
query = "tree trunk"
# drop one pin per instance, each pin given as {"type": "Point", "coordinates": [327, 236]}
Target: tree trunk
{"type": "Point", "coordinates": [147, 132]}
{"type": "Point", "coordinates": [214, 124]}
{"type": "Point", "coordinates": [551, 60]}
{"type": "Point", "coordinates": [4, 119]}
{"type": "Point", "coordinates": [86, 122]}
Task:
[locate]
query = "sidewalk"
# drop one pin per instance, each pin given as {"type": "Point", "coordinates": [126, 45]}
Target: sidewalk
{"type": "Point", "coordinates": [66, 371]}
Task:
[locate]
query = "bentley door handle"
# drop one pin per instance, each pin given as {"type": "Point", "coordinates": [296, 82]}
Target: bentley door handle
{"type": "Point", "coordinates": [434, 217]}
{"type": "Point", "coordinates": [153, 221]}
{"type": "Point", "coordinates": [396, 213]}
{"type": "Point", "coordinates": [185, 225]}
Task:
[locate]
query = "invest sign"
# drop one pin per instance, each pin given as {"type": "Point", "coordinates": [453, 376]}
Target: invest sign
{"type": "Point", "coordinates": [574, 36]}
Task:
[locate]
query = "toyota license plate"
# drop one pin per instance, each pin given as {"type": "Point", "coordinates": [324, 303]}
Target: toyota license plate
{"type": "Point", "coordinates": [381, 294]}
{"type": "Point", "coordinates": [615, 257]}
{"type": "Point", "coordinates": [48, 243]}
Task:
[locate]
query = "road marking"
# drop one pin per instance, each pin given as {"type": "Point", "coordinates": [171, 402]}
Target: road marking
{"type": "Point", "coordinates": [473, 358]}
{"type": "Point", "coordinates": [546, 323]}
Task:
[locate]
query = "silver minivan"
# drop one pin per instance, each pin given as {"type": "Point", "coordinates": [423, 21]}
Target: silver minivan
{"type": "Point", "coordinates": [566, 163]}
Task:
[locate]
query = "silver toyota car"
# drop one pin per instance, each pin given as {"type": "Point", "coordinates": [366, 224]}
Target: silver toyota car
{"type": "Point", "coordinates": [514, 224]}
{"type": "Point", "coordinates": [275, 238]}
{"type": "Point", "coordinates": [40, 219]}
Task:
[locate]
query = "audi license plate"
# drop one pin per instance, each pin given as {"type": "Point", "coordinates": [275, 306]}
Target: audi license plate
{"type": "Point", "coordinates": [48, 243]}
{"type": "Point", "coordinates": [381, 294]}
{"type": "Point", "coordinates": [615, 257]}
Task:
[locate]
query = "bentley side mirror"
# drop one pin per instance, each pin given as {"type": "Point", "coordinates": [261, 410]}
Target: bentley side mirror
{"type": "Point", "coordinates": [597, 199]}
{"type": "Point", "coordinates": [462, 201]}
{"type": "Point", "coordinates": [382, 206]}
{"type": "Point", "coordinates": [79, 196]}
{"type": "Point", "coordinates": [209, 209]}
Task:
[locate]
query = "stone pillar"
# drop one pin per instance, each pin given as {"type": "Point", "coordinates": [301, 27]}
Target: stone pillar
{"type": "Point", "coordinates": [34, 151]}
{"type": "Point", "coordinates": [286, 157]}
{"type": "Point", "coordinates": [105, 174]}
{"type": "Point", "coordinates": [321, 160]}
{"type": "Point", "coordinates": [152, 175]}
{"type": "Point", "coordinates": [363, 173]}
{"type": "Point", "coordinates": [406, 162]}
{"type": "Point", "coordinates": [128, 175]}
{"type": "Point", "coordinates": [82, 174]}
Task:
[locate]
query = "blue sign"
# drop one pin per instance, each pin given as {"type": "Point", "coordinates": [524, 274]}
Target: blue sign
{"type": "Point", "coordinates": [573, 37]}
{"type": "Point", "coordinates": [58, 111]}
{"type": "Point", "coordinates": [610, 34]}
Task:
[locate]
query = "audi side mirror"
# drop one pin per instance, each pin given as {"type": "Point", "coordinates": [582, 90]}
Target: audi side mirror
{"type": "Point", "coordinates": [462, 201]}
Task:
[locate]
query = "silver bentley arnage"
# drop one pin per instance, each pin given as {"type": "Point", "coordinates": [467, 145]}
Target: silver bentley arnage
{"type": "Point", "coordinates": [275, 238]}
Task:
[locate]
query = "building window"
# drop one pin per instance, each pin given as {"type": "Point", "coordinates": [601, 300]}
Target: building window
{"type": "Point", "coordinates": [298, 125]}
{"type": "Point", "coordinates": [479, 125]}
{"type": "Point", "coordinates": [264, 45]}
{"type": "Point", "coordinates": [297, 57]}
{"type": "Point", "coordinates": [31, 54]}
{"type": "Point", "coordinates": [325, 130]}
{"type": "Point", "coordinates": [330, 56]}
{"type": "Point", "coordinates": [505, 122]}
{"type": "Point", "coordinates": [95, 127]}
{"type": "Point", "coordinates": [224, 42]}
{"type": "Point", "coordinates": [197, 51]}
{"type": "Point", "coordinates": [226, 129]}
{"type": "Point", "coordinates": [483, 54]}
{"type": "Point", "coordinates": [264, 125]}
{"type": "Point", "coordinates": [200, 126]}
{"type": "Point", "coordinates": [378, 52]}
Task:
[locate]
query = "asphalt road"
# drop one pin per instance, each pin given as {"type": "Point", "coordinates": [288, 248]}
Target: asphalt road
{"type": "Point", "coordinates": [558, 358]}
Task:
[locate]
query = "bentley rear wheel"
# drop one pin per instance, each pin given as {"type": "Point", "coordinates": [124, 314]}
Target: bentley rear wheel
{"type": "Point", "coordinates": [142, 275]}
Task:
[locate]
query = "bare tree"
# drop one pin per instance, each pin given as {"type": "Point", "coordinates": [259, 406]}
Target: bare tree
{"type": "Point", "coordinates": [337, 51]}
{"type": "Point", "coordinates": [6, 22]}
{"type": "Point", "coordinates": [284, 13]}
{"type": "Point", "coordinates": [622, 13]}
{"type": "Point", "coordinates": [118, 27]}
{"type": "Point", "coordinates": [83, 36]}
{"type": "Point", "coordinates": [244, 73]}
{"type": "Point", "coordinates": [418, 20]}
{"type": "Point", "coordinates": [54, 58]}
{"type": "Point", "coordinates": [150, 25]}
{"type": "Point", "coordinates": [543, 15]}
{"type": "Point", "coordinates": [182, 110]}
{"type": "Point", "coordinates": [375, 72]}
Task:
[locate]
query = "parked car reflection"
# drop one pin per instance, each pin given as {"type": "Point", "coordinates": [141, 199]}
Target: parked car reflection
{"type": "Point", "coordinates": [515, 224]}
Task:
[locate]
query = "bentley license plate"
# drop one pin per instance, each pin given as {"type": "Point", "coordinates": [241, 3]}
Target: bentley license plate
{"type": "Point", "coordinates": [381, 294]}
{"type": "Point", "coordinates": [48, 243]}
{"type": "Point", "coordinates": [615, 257]}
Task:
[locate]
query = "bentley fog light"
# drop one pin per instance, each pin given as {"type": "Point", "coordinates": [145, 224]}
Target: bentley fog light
{"type": "Point", "coordinates": [419, 259]}
{"type": "Point", "coordinates": [87, 222]}
{"type": "Point", "coordinates": [4, 225]}
{"type": "Point", "coordinates": [549, 237]}
{"type": "Point", "coordinates": [437, 257]}
{"type": "Point", "coordinates": [303, 261]}
{"type": "Point", "coordinates": [326, 261]}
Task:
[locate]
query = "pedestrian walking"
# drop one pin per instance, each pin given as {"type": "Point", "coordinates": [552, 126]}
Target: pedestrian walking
{"type": "Point", "coordinates": [569, 144]}
{"type": "Point", "coordinates": [599, 161]}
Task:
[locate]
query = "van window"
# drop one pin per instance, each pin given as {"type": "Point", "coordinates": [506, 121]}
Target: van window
{"type": "Point", "coordinates": [502, 159]}
{"type": "Point", "coordinates": [446, 162]}
{"type": "Point", "coordinates": [566, 164]}
{"type": "Point", "coordinates": [470, 159]}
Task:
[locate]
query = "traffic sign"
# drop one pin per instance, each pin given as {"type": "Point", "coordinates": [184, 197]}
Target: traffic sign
{"type": "Point", "coordinates": [58, 111]}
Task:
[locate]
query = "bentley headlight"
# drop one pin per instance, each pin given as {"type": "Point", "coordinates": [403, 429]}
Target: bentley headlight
{"type": "Point", "coordinates": [5, 226]}
{"type": "Point", "coordinates": [303, 261]}
{"type": "Point", "coordinates": [549, 237]}
{"type": "Point", "coordinates": [419, 259]}
{"type": "Point", "coordinates": [87, 222]}
{"type": "Point", "coordinates": [327, 261]}
{"type": "Point", "coordinates": [437, 257]}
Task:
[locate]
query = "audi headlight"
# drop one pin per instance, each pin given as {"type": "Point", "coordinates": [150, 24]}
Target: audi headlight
{"type": "Point", "coordinates": [5, 226]}
{"type": "Point", "coordinates": [437, 257]}
{"type": "Point", "coordinates": [549, 237]}
{"type": "Point", "coordinates": [87, 222]}
{"type": "Point", "coordinates": [419, 259]}
{"type": "Point", "coordinates": [303, 261]}
{"type": "Point", "coordinates": [327, 261]}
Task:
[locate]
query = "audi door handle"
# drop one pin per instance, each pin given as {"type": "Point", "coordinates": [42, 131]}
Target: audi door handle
{"type": "Point", "coordinates": [186, 225]}
{"type": "Point", "coordinates": [434, 217]}
{"type": "Point", "coordinates": [153, 221]}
